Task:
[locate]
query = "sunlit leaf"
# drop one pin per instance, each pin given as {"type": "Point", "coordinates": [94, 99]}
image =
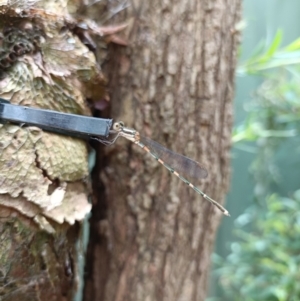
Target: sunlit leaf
{"type": "Point", "coordinates": [295, 45]}
{"type": "Point", "coordinates": [275, 44]}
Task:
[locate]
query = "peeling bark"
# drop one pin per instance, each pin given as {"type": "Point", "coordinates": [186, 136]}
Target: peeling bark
{"type": "Point", "coordinates": [43, 176]}
{"type": "Point", "coordinates": [173, 83]}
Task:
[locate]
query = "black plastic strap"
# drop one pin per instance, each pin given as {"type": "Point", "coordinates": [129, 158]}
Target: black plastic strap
{"type": "Point", "coordinates": [53, 121]}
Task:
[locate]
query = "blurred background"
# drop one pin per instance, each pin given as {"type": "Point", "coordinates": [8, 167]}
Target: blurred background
{"type": "Point", "coordinates": [257, 252]}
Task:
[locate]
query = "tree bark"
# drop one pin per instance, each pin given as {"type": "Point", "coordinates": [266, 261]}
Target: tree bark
{"type": "Point", "coordinates": [43, 176]}
{"type": "Point", "coordinates": [173, 83]}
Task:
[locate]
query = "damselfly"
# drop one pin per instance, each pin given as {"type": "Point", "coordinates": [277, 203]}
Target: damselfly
{"type": "Point", "coordinates": [174, 162]}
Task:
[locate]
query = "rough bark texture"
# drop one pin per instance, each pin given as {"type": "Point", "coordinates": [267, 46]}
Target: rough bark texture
{"type": "Point", "coordinates": [173, 83]}
{"type": "Point", "coordinates": [43, 176]}
{"type": "Point", "coordinates": [36, 265]}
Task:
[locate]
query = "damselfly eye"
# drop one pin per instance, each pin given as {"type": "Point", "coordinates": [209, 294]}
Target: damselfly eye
{"type": "Point", "coordinates": [118, 126]}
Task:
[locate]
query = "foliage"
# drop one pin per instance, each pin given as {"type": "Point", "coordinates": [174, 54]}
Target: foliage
{"type": "Point", "coordinates": [264, 262]}
{"type": "Point", "coordinates": [266, 57]}
{"type": "Point", "coordinates": [273, 117]}
{"type": "Point", "coordinates": [273, 113]}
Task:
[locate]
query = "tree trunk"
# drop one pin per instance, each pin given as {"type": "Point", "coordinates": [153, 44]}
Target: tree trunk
{"type": "Point", "coordinates": [173, 83]}
{"type": "Point", "coordinates": [43, 176]}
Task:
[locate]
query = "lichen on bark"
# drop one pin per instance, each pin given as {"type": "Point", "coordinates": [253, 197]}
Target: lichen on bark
{"type": "Point", "coordinates": [43, 176]}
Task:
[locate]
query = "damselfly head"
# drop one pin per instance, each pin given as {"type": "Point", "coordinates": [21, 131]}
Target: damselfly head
{"type": "Point", "coordinates": [118, 126]}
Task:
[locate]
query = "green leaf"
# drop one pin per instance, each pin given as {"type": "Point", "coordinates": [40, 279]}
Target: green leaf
{"type": "Point", "coordinates": [275, 44]}
{"type": "Point", "coordinates": [295, 45]}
